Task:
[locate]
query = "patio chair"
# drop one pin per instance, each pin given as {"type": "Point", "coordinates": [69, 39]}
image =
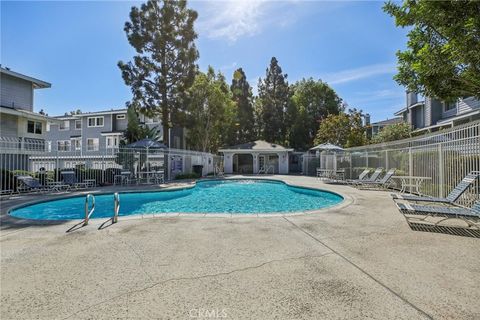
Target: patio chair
{"type": "Point", "coordinates": [69, 178]}
{"type": "Point", "coordinates": [470, 215]}
{"type": "Point", "coordinates": [28, 183]}
{"type": "Point", "coordinates": [219, 172]}
{"type": "Point", "coordinates": [361, 177]}
{"type": "Point", "coordinates": [372, 178]}
{"type": "Point", "coordinates": [128, 177]}
{"type": "Point", "coordinates": [453, 196]}
{"type": "Point", "coordinates": [381, 183]}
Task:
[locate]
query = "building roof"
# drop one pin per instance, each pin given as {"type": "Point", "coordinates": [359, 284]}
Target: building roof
{"type": "Point", "coordinates": [25, 113]}
{"type": "Point", "coordinates": [399, 112]}
{"type": "Point", "coordinates": [37, 84]}
{"type": "Point", "coordinates": [387, 122]}
{"type": "Point", "coordinates": [93, 113]}
{"type": "Point", "coordinates": [258, 145]}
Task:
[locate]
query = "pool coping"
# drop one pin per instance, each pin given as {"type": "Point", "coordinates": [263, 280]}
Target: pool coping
{"type": "Point", "coordinates": [347, 200]}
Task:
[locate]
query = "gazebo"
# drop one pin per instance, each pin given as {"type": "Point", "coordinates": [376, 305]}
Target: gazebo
{"type": "Point", "coordinates": [256, 157]}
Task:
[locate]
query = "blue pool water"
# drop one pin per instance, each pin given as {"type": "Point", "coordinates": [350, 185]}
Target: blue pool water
{"type": "Point", "coordinates": [226, 196]}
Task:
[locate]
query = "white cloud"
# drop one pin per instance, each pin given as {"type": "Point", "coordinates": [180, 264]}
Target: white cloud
{"type": "Point", "coordinates": [232, 19]}
{"type": "Point", "coordinates": [358, 73]}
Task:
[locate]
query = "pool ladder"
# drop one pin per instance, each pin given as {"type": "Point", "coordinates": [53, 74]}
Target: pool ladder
{"type": "Point", "coordinates": [89, 211]}
{"type": "Point", "coordinates": [116, 207]}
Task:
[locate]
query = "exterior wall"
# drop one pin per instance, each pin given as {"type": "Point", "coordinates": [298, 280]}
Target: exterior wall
{"type": "Point", "coordinates": [8, 126]}
{"type": "Point", "coordinates": [16, 93]}
{"type": "Point", "coordinates": [119, 124]}
{"type": "Point", "coordinates": [467, 105]}
{"type": "Point", "coordinates": [22, 129]}
{"type": "Point", "coordinates": [228, 162]}
{"type": "Point", "coordinates": [283, 160]}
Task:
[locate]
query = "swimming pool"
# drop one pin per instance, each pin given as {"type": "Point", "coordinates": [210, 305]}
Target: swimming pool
{"type": "Point", "coordinates": [242, 196]}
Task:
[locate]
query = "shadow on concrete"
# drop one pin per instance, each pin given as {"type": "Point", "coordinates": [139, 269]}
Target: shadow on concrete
{"type": "Point", "coordinates": [106, 224]}
{"type": "Point", "coordinates": [77, 226]}
{"type": "Point", "coordinates": [9, 223]}
{"type": "Point", "coordinates": [451, 230]}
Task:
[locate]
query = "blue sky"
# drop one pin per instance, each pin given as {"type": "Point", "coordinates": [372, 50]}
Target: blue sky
{"type": "Point", "coordinates": [76, 47]}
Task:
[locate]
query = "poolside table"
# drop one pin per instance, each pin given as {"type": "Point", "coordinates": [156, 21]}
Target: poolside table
{"type": "Point", "coordinates": [58, 186]}
{"type": "Point", "coordinates": [410, 182]}
{"type": "Point", "coordinates": [156, 176]}
{"type": "Point", "coordinates": [90, 183]}
{"type": "Point", "coordinates": [330, 174]}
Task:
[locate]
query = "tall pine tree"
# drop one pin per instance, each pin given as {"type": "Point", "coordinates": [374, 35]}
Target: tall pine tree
{"type": "Point", "coordinates": [273, 96]}
{"type": "Point", "coordinates": [164, 68]}
{"type": "Point", "coordinates": [242, 95]}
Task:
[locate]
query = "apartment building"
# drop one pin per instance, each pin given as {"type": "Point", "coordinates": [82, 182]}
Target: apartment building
{"type": "Point", "coordinates": [374, 128]}
{"type": "Point", "coordinates": [90, 132]}
{"type": "Point", "coordinates": [429, 114]}
{"type": "Point", "coordinates": [17, 117]}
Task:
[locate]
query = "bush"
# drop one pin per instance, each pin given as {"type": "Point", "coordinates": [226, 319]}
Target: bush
{"type": "Point", "coordinates": [8, 180]}
{"type": "Point", "coordinates": [187, 176]}
{"type": "Point", "coordinates": [110, 174]}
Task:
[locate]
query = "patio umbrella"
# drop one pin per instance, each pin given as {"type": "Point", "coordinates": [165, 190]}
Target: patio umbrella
{"type": "Point", "coordinates": [327, 147]}
{"type": "Point", "coordinates": [146, 144]}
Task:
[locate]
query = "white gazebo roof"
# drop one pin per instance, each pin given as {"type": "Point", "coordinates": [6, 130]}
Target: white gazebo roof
{"type": "Point", "coordinates": [327, 147]}
{"type": "Point", "coordinates": [256, 146]}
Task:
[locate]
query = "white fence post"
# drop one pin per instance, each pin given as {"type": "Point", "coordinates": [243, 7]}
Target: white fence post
{"type": "Point", "coordinates": [441, 178]}
{"type": "Point", "coordinates": [386, 160]}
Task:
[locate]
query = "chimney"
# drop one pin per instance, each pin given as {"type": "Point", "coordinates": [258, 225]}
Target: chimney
{"type": "Point", "coordinates": [411, 98]}
{"type": "Point", "coordinates": [367, 119]}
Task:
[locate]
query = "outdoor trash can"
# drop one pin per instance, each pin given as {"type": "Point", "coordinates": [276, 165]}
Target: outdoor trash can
{"type": "Point", "coordinates": [198, 169]}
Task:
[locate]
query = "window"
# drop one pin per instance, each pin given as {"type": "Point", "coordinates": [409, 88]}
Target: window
{"type": "Point", "coordinates": [112, 142]}
{"type": "Point", "coordinates": [120, 116]}
{"type": "Point", "coordinates": [63, 145]}
{"type": "Point", "coordinates": [92, 144]}
{"type": "Point", "coordinates": [77, 144]}
{"type": "Point", "coordinates": [95, 122]}
{"type": "Point", "coordinates": [38, 127]}
{"type": "Point", "coordinates": [34, 127]}
{"type": "Point", "coordinates": [65, 125]}
{"type": "Point", "coordinates": [447, 106]}
{"type": "Point", "coordinates": [78, 124]}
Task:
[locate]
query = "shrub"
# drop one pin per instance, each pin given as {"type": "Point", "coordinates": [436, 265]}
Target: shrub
{"type": "Point", "coordinates": [110, 174]}
{"type": "Point", "coordinates": [8, 180]}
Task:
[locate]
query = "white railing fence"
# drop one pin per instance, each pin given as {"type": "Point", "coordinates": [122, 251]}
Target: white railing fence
{"type": "Point", "coordinates": [98, 166]}
{"type": "Point", "coordinates": [445, 157]}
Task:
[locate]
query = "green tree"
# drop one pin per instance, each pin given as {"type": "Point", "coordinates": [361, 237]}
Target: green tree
{"type": "Point", "coordinates": [443, 55]}
{"type": "Point", "coordinates": [298, 131]}
{"type": "Point", "coordinates": [164, 68]}
{"type": "Point", "coordinates": [343, 129]}
{"type": "Point", "coordinates": [136, 131]}
{"type": "Point", "coordinates": [211, 112]}
{"type": "Point", "coordinates": [273, 99]}
{"type": "Point", "coordinates": [313, 101]}
{"type": "Point", "coordinates": [393, 132]}
{"type": "Point", "coordinates": [242, 95]}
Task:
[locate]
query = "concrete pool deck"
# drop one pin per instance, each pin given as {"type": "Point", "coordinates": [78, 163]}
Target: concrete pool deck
{"type": "Point", "coordinates": [357, 260]}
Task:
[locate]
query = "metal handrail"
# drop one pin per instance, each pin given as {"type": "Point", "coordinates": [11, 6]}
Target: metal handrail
{"type": "Point", "coordinates": [116, 206]}
{"type": "Point", "coordinates": [87, 212]}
